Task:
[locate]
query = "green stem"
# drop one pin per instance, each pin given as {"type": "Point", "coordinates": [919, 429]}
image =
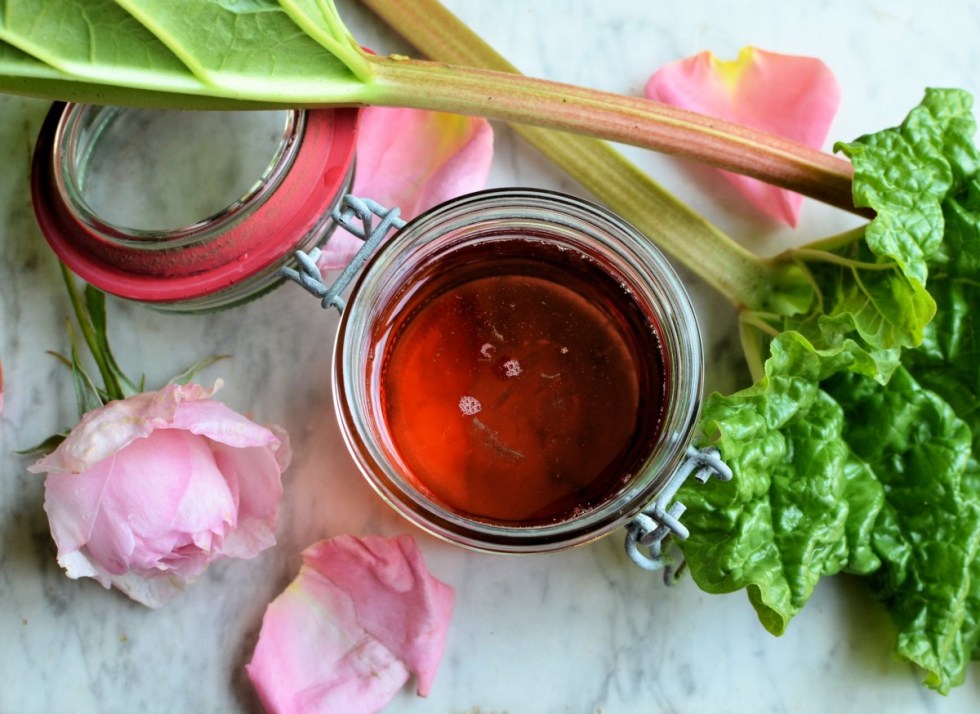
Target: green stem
{"type": "Point", "coordinates": [839, 240]}
{"type": "Point", "coordinates": [607, 174]}
{"type": "Point", "coordinates": [755, 321]}
{"type": "Point", "coordinates": [751, 333]}
{"type": "Point", "coordinates": [823, 256]}
{"type": "Point", "coordinates": [112, 387]}
{"type": "Point", "coordinates": [332, 34]}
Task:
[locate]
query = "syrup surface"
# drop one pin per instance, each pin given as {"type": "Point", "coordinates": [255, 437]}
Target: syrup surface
{"type": "Point", "coordinates": [520, 383]}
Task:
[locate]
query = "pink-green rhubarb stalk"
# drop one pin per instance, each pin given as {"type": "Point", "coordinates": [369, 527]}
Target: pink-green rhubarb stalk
{"type": "Point", "coordinates": [791, 96]}
{"type": "Point", "coordinates": [299, 53]}
{"type": "Point", "coordinates": [745, 280]}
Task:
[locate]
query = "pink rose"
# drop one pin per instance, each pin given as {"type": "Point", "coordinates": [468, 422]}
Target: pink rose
{"type": "Point", "coordinates": [146, 491]}
{"type": "Point", "coordinates": [362, 616]}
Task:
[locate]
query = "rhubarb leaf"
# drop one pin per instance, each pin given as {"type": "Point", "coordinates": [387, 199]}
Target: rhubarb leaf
{"type": "Point", "coordinates": [251, 49]}
{"type": "Point", "coordinates": [183, 53]}
{"type": "Point", "coordinates": [799, 505]}
{"type": "Point", "coordinates": [322, 22]}
{"type": "Point", "coordinates": [906, 173]}
{"type": "Point", "coordinates": [874, 290]}
{"type": "Point", "coordinates": [890, 393]}
{"type": "Point", "coordinates": [867, 298]}
{"type": "Point", "coordinates": [93, 38]}
{"type": "Point", "coordinates": [947, 362]}
{"type": "Point", "coordinates": [920, 452]}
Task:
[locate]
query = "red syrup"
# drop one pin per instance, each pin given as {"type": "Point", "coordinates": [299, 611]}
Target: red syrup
{"type": "Point", "coordinates": [521, 383]}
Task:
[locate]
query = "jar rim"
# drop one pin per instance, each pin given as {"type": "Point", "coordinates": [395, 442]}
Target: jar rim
{"type": "Point", "coordinates": [378, 281]}
{"type": "Point", "coordinates": [313, 167]}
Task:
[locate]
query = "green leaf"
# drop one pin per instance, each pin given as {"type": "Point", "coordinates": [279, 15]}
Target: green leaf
{"type": "Point", "coordinates": [906, 173]}
{"type": "Point", "coordinates": [321, 21]}
{"type": "Point", "coordinates": [17, 62]}
{"type": "Point", "coordinates": [81, 307]}
{"type": "Point", "coordinates": [873, 291]}
{"type": "Point", "coordinates": [920, 451]}
{"type": "Point", "coordinates": [799, 506]}
{"type": "Point", "coordinates": [250, 49]}
{"type": "Point", "coordinates": [21, 73]}
{"type": "Point", "coordinates": [181, 53]}
{"type": "Point", "coordinates": [861, 298]}
{"type": "Point", "coordinates": [192, 371]}
{"type": "Point", "coordinates": [835, 472]}
{"type": "Point", "coordinates": [947, 362]}
{"type": "Point", "coordinates": [885, 369]}
{"type": "Point", "coordinates": [865, 498]}
{"type": "Point", "coordinates": [95, 39]}
{"type": "Point", "coordinates": [873, 298]}
{"type": "Point", "coordinates": [45, 447]}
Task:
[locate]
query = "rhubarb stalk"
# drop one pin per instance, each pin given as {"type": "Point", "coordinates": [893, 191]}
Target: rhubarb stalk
{"type": "Point", "coordinates": [685, 235]}
{"type": "Point", "coordinates": [193, 54]}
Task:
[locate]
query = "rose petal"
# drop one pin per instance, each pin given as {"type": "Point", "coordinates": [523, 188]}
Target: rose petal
{"type": "Point", "coordinates": [791, 96]}
{"type": "Point", "coordinates": [397, 601]}
{"type": "Point", "coordinates": [344, 636]}
{"type": "Point", "coordinates": [104, 431]}
{"type": "Point", "coordinates": [313, 657]}
{"type": "Point", "coordinates": [77, 565]}
{"type": "Point", "coordinates": [222, 424]}
{"type": "Point", "coordinates": [150, 591]}
{"type": "Point", "coordinates": [413, 159]}
{"type": "Point", "coordinates": [257, 488]}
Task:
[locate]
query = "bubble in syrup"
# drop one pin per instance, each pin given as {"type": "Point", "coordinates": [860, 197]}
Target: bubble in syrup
{"type": "Point", "coordinates": [469, 405]}
{"type": "Point", "coordinates": [512, 368]}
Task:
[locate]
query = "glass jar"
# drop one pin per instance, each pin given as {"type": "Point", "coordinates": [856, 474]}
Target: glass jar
{"type": "Point", "coordinates": [188, 211]}
{"type": "Point", "coordinates": [518, 371]}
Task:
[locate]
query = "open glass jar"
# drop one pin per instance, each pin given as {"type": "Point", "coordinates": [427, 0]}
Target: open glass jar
{"type": "Point", "coordinates": [518, 371]}
{"type": "Point", "coordinates": [188, 211]}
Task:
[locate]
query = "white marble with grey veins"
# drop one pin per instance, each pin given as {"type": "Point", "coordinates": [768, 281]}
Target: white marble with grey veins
{"type": "Point", "coordinates": [580, 631]}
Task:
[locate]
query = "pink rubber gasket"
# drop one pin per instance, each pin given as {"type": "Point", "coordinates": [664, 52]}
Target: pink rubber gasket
{"type": "Point", "coordinates": [263, 238]}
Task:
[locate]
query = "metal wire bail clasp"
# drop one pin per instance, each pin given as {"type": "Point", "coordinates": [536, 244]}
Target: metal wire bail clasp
{"type": "Point", "coordinates": [356, 215]}
{"type": "Point", "coordinates": [650, 527]}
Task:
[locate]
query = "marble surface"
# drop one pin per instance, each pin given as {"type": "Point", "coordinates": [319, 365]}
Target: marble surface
{"type": "Point", "coordinates": [578, 631]}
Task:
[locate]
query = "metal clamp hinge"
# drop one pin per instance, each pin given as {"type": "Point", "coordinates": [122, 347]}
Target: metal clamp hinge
{"type": "Point", "coordinates": [356, 215]}
{"type": "Point", "coordinates": [650, 527]}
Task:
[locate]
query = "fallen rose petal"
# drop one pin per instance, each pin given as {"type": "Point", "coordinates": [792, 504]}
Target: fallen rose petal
{"type": "Point", "coordinates": [346, 634]}
{"type": "Point", "coordinates": [397, 602]}
{"type": "Point", "coordinates": [312, 656]}
{"type": "Point", "coordinates": [413, 159]}
{"type": "Point", "coordinates": [791, 96]}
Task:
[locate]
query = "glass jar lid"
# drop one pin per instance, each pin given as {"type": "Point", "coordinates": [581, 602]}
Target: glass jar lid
{"type": "Point", "coordinates": [172, 207]}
